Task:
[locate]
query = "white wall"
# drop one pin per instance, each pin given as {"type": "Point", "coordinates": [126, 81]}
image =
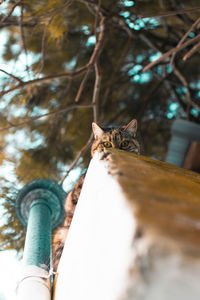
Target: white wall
{"type": "Point", "coordinates": [97, 253]}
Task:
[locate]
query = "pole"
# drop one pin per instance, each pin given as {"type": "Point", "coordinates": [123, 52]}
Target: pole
{"type": "Point", "coordinates": [39, 207]}
{"type": "Point", "coordinates": [183, 133]}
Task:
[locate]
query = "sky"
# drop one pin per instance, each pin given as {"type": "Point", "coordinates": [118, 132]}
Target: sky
{"type": "Point", "coordinates": [10, 271]}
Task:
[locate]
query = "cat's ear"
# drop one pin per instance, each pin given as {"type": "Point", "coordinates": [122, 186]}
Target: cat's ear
{"type": "Point", "coordinates": [97, 130]}
{"type": "Point", "coordinates": [131, 127]}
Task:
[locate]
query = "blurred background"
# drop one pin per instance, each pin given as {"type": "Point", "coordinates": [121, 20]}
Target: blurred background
{"type": "Point", "coordinates": [66, 63]}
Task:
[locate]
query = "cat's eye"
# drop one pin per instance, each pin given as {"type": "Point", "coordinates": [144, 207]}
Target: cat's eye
{"type": "Point", "coordinates": [124, 144]}
{"type": "Point", "coordinates": [107, 144]}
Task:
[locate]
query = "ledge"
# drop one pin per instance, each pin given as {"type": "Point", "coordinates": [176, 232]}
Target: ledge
{"type": "Point", "coordinates": [165, 199]}
{"type": "Point", "coordinates": [135, 233]}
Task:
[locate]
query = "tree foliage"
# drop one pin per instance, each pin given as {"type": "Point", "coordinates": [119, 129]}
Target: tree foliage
{"type": "Point", "coordinates": [69, 62]}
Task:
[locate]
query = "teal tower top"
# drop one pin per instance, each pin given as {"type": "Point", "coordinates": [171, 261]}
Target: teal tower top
{"type": "Point", "coordinates": [39, 207]}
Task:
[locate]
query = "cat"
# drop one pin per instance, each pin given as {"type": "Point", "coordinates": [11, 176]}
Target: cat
{"type": "Point", "coordinates": [123, 138]}
{"type": "Point", "coordinates": [61, 232]}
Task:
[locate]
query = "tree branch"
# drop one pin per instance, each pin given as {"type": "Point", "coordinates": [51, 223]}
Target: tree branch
{"type": "Point", "coordinates": [10, 12]}
{"type": "Point", "coordinates": [74, 163]}
{"type": "Point", "coordinates": [186, 85]}
{"type": "Point", "coordinates": [168, 53]}
{"type": "Point", "coordinates": [171, 13]}
{"type": "Point", "coordinates": [23, 43]}
{"type": "Point", "coordinates": [47, 78]}
{"type": "Point", "coordinates": [12, 76]}
{"type": "Point", "coordinates": [96, 92]}
{"type": "Point", "coordinates": [41, 64]}
{"type": "Point", "coordinates": [93, 58]}
{"type": "Point", "coordinates": [30, 120]}
{"type": "Point", "coordinates": [192, 51]}
{"type": "Point", "coordinates": [184, 38]}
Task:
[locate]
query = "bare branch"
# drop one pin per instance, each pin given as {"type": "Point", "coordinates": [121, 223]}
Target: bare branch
{"type": "Point", "coordinates": [23, 43]}
{"type": "Point", "coordinates": [192, 51]}
{"type": "Point", "coordinates": [4, 118]}
{"type": "Point", "coordinates": [96, 91]}
{"type": "Point", "coordinates": [74, 163]}
{"type": "Point", "coordinates": [179, 74]}
{"type": "Point", "coordinates": [94, 6]}
{"type": "Point", "coordinates": [171, 13]}
{"type": "Point", "coordinates": [83, 82]}
{"type": "Point", "coordinates": [184, 38]}
{"type": "Point", "coordinates": [93, 58]}
{"type": "Point", "coordinates": [97, 17]}
{"type": "Point", "coordinates": [14, 21]}
{"type": "Point", "coordinates": [168, 53]}
{"type": "Point", "coordinates": [12, 76]}
{"type": "Point", "coordinates": [42, 50]}
{"type": "Point", "coordinates": [149, 42]}
{"type": "Point", "coordinates": [10, 12]}
{"type": "Point", "coordinates": [47, 78]}
{"type": "Point", "coordinates": [58, 10]}
{"type": "Point", "coordinates": [186, 85]}
{"type": "Point", "coordinates": [59, 111]}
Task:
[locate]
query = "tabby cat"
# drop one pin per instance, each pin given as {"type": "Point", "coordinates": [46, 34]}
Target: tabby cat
{"type": "Point", "coordinates": [123, 138]}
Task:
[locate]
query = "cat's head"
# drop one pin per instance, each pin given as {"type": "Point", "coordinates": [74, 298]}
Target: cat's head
{"type": "Point", "coordinates": [121, 138]}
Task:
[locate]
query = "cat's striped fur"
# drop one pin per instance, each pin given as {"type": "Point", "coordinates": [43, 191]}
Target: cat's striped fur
{"type": "Point", "coordinates": [121, 138]}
